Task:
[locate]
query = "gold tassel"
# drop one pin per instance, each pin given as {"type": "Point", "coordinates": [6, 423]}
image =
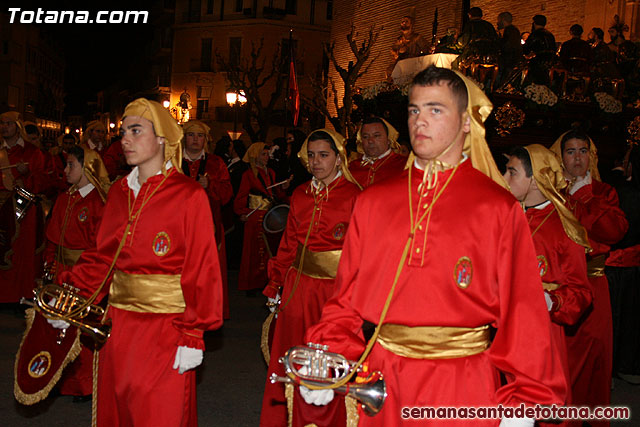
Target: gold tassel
{"type": "Point", "coordinates": [264, 338]}
{"type": "Point", "coordinates": [288, 394]}
{"type": "Point", "coordinates": [351, 404]}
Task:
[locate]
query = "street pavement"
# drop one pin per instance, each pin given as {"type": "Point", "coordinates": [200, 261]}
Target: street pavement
{"type": "Point", "coordinates": [230, 381]}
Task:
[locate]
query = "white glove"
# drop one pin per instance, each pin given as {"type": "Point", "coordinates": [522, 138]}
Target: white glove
{"type": "Point", "coordinates": [272, 303]}
{"type": "Point", "coordinates": [58, 323]}
{"type": "Point", "coordinates": [315, 397]}
{"type": "Point", "coordinates": [580, 182]}
{"type": "Point", "coordinates": [187, 358]}
{"type": "Point", "coordinates": [548, 300]}
{"type": "Point", "coordinates": [517, 422]}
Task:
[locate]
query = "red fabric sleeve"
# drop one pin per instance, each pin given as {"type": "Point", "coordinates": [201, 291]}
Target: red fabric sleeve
{"type": "Point", "coordinates": [240, 202]}
{"type": "Point", "coordinates": [219, 180]}
{"type": "Point", "coordinates": [598, 209]}
{"type": "Point", "coordinates": [574, 296]}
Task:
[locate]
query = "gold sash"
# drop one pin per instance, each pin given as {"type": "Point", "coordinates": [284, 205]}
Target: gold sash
{"type": "Point", "coordinates": [319, 265]}
{"type": "Point", "coordinates": [7, 177]}
{"type": "Point", "coordinates": [147, 293]}
{"type": "Point", "coordinates": [258, 202]}
{"type": "Point", "coordinates": [433, 342]}
{"type": "Point", "coordinates": [550, 286]}
{"type": "Point", "coordinates": [595, 266]}
{"type": "Point", "coordinates": [69, 257]}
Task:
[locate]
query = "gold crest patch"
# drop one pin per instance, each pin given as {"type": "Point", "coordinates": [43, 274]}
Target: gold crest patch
{"type": "Point", "coordinates": [83, 214]}
{"type": "Point", "coordinates": [543, 265]}
{"type": "Point", "coordinates": [463, 272]}
{"type": "Point", "coordinates": [161, 244]}
{"type": "Point", "coordinates": [40, 364]}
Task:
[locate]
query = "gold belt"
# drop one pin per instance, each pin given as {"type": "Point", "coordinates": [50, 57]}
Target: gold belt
{"type": "Point", "coordinates": [433, 342]}
{"type": "Point", "coordinates": [258, 202]}
{"type": "Point", "coordinates": [319, 265]}
{"type": "Point", "coordinates": [69, 257]}
{"type": "Point", "coordinates": [595, 266]}
{"type": "Point", "coordinates": [147, 293]}
{"type": "Point", "coordinates": [550, 286]}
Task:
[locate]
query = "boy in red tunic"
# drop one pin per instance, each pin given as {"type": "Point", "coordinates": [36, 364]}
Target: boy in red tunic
{"type": "Point", "coordinates": [596, 206]}
{"type": "Point", "coordinates": [71, 230]}
{"type": "Point", "coordinates": [157, 255]}
{"type": "Point", "coordinates": [436, 257]}
{"type": "Point", "coordinates": [316, 226]}
{"type": "Point", "coordinates": [377, 142]}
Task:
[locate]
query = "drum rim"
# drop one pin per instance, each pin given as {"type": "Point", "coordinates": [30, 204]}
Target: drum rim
{"type": "Point", "coordinates": [270, 231]}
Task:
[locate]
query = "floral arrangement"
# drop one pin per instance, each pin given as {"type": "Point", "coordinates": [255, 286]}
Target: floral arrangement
{"type": "Point", "coordinates": [634, 131]}
{"type": "Point", "coordinates": [508, 117]}
{"type": "Point", "coordinates": [540, 94]}
{"type": "Point", "coordinates": [608, 103]}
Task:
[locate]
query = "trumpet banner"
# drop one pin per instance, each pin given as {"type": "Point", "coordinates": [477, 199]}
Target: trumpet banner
{"type": "Point", "coordinates": [41, 359]}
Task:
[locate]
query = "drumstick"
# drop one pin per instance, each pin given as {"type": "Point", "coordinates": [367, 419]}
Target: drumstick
{"type": "Point", "coordinates": [12, 166]}
{"type": "Point", "coordinates": [249, 214]}
{"type": "Point", "coordinates": [278, 183]}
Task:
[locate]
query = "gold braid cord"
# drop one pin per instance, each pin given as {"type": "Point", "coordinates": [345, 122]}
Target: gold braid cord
{"type": "Point", "coordinates": [351, 404]}
{"type": "Point", "coordinates": [30, 399]}
{"type": "Point", "coordinates": [264, 337]}
{"type": "Point", "coordinates": [288, 394]}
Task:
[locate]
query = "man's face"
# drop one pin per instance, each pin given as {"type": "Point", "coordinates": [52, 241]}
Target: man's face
{"type": "Point", "coordinates": [436, 122]}
{"type": "Point", "coordinates": [613, 33]}
{"type": "Point", "coordinates": [263, 158]}
{"type": "Point", "coordinates": [140, 144]}
{"type": "Point", "coordinates": [375, 141]}
{"type": "Point", "coordinates": [575, 158]}
{"type": "Point", "coordinates": [8, 129]}
{"type": "Point", "coordinates": [97, 135]}
{"type": "Point", "coordinates": [73, 170]}
{"type": "Point", "coordinates": [67, 143]}
{"type": "Point", "coordinates": [323, 161]}
{"type": "Point", "coordinates": [516, 178]}
{"type": "Point", "coordinates": [500, 24]}
{"type": "Point", "coordinates": [195, 141]}
{"type": "Point", "coordinates": [405, 24]}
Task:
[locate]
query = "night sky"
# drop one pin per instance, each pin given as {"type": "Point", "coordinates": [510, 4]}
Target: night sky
{"type": "Point", "coordinates": [96, 55]}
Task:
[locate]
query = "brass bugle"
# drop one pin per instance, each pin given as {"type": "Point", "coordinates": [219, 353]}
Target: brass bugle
{"type": "Point", "coordinates": [72, 308]}
{"type": "Point", "coordinates": [324, 368]}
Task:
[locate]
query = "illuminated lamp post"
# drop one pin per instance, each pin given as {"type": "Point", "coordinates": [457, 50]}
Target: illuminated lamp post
{"type": "Point", "coordinates": [235, 98]}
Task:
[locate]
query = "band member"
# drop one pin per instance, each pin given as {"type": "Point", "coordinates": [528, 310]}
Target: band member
{"type": "Point", "coordinates": [156, 252]}
{"type": "Point", "coordinates": [71, 230]}
{"type": "Point", "coordinates": [378, 142]}
{"type": "Point", "coordinates": [535, 178]}
{"type": "Point", "coordinates": [446, 277]}
{"type": "Point", "coordinates": [212, 174]}
{"type": "Point", "coordinates": [94, 136]}
{"type": "Point", "coordinates": [23, 165]}
{"type": "Point", "coordinates": [596, 205]}
{"type": "Point", "coordinates": [304, 269]}
{"type": "Point", "coordinates": [256, 195]}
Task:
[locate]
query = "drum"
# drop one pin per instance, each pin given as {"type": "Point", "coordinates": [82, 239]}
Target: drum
{"type": "Point", "coordinates": [24, 199]}
{"type": "Point", "coordinates": [275, 220]}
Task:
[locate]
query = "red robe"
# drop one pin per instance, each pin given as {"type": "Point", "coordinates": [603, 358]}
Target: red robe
{"type": "Point", "coordinates": [255, 255]}
{"type": "Point", "coordinates": [114, 160]}
{"type": "Point", "coordinates": [560, 261]}
{"type": "Point", "coordinates": [590, 346]}
{"type": "Point", "coordinates": [82, 216]}
{"type": "Point", "coordinates": [472, 218]}
{"type": "Point", "coordinates": [19, 280]}
{"type": "Point", "coordinates": [331, 221]}
{"type": "Point", "coordinates": [136, 382]}
{"type": "Point", "coordinates": [220, 193]}
{"type": "Point", "coordinates": [388, 166]}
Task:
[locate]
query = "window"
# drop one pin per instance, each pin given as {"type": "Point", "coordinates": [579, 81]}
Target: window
{"type": "Point", "coordinates": [194, 10]}
{"type": "Point", "coordinates": [202, 108]}
{"type": "Point", "coordinates": [329, 10]}
{"type": "Point", "coordinates": [239, 5]}
{"type": "Point", "coordinates": [205, 55]}
{"type": "Point", "coordinates": [291, 7]}
{"type": "Point", "coordinates": [235, 48]}
{"type": "Point", "coordinates": [209, 7]}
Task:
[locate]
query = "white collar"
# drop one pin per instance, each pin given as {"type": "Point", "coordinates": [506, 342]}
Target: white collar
{"type": "Point", "coordinates": [19, 142]}
{"type": "Point", "coordinates": [132, 178]}
{"type": "Point", "coordinates": [315, 182]}
{"type": "Point", "coordinates": [366, 158]}
{"type": "Point", "coordinates": [93, 145]}
{"type": "Point", "coordinates": [234, 160]}
{"type": "Point", "coordinates": [415, 161]}
{"type": "Point", "coordinates": [84, 191]}
{"type": "Point", "coordinates": [541, 205]}
{"type": "Point", "coordinates": [189, 158]}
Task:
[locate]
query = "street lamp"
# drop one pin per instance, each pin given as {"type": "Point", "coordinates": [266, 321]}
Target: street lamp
{"type": "Point", "coordinates": [235, 98]}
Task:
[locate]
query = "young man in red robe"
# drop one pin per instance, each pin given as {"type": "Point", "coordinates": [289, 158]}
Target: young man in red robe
{"type": "Point", "coordinates": [71, 230]}
{"type": "Point", "coordinates": [441, 259]}
{"type": "Point", "coordinates": [377, 142]}
{"type": "Point", "coordinates": [212, 174]}
{"type": "Point", "coordinates": [156, 257]}
{"type": "Point", "coordinates": [301, 275]}
{"type": "Point", "coordinates": [25, 166]}
{"type": "Point", "coordinates": [257, 194]}
{"type": "Point", "coordinates": [596, 206]}
{"type": "Point", "coordinates": [535, 178]}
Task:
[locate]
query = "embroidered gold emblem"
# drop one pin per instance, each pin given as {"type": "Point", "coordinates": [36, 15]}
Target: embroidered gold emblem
{"type": "Point", "coordinates": [543, 265]}
{"type": "Point", "coordinates": [339, 231]}
{"type": "Point", "coordinates": [161, 244]}
{"type": "Point", "coordinates": [83, 214]}
{"type": "Point", "coordinates": [39, 364]}
{"type": "Point", "coordinates": [463, 272]}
